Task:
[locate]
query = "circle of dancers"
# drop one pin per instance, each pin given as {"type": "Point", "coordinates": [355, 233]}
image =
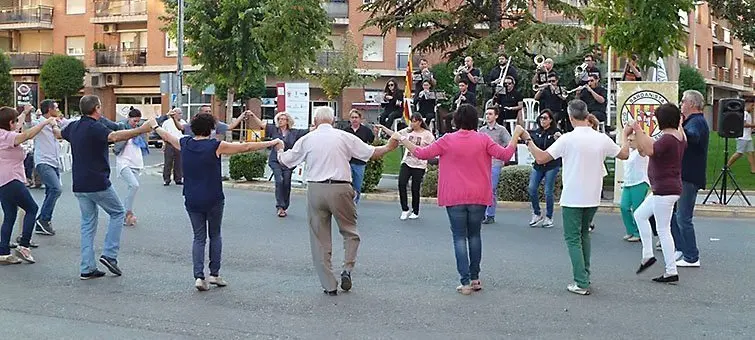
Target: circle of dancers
{"type": "Point", "coordinates": [469, 164]}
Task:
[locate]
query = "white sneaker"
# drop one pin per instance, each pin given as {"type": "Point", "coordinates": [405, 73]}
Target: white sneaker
{"type": "Point", "coordinates": [536, 220]}
{"type": "Point", "coordinates": [464, 289]}
{"type": "Point", "coordinates": [684, 263]}
{"type": "Point", "coordinates": [547, 222]}
{"type": "Point", "coordinates": [218, 281]}
{"type": "Point", "coordinates": [572, 287]}
{"type": "Point", "coordinates": [404, 215]}
{"type": "Point", "coordinates": [201, 285]}
{"type": "Point", "coordinates": [413, 216]}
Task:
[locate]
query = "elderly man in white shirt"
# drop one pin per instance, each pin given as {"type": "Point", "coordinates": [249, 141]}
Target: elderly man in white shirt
{"type": "Point", "coordinates": [171, 155]}
{"type": "Point", "coordinates": [327, 152]}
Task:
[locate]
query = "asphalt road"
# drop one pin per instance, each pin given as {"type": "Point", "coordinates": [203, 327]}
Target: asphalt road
{"type": "Point", "coordinates": [403, 284]}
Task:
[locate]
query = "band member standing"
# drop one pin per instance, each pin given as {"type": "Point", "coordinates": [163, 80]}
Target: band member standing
{"type": "Point", "coordinates": [425, 102]}
{"type": "Point", "coordinates": [595, 97]}
{"type": "Point", "coordinates": [510, 103]}
{"type": "Point", "coordinates": [469, 74]}
{"type": "Point", "coordinates": [393, 99]}
{"type": "Point", "coordinates": [465, 96]}
{"type": "Point", "coordinates": [552, 97]}
{"type": "Point", "coordinates": [542, 74]}
{"type": "Point", "coordinates": [495, 77]}
{"type": "Point", "coordinates": [423, 74]}
{"type": "Point", "coordinates": [631, 71]}
{"type": "Point", "coordinates": [590, 70]}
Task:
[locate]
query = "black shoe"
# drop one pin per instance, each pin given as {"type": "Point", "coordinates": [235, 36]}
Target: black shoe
{"type": "Point", "coordinates": [12, 245]}
{"type": "Point", "coordinates": [111, 264]}
{"type": "Point", "coordinates": [345, 280]}
{"type": "Point", "coordinates": [93, 275]}
{"type": "Point", "coordinates": [331, 293]}
{"type": "Point", "coordinates": [592, 227]}
{"type": "Point", "coordinates": [44, 228]}
{"type": "Point", "coordinates": [179, 183]}
{"type": "Point", "coordinates": [488, 220]}
{"type": "Point", "coordinates": [667, 279]}
{"type": "Point", "coordinates": [31, 244]}
{"type": "Point", "coordinates": [646, 265]}
{"type": "Point", "coordinates": [166, 184]}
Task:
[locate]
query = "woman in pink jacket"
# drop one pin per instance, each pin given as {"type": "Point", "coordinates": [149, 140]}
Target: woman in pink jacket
{"type": "Point", "coordinates": [464, 186]}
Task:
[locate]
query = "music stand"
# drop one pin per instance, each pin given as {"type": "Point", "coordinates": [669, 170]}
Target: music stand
{"type": "Point", "coordinates": [722, 178]}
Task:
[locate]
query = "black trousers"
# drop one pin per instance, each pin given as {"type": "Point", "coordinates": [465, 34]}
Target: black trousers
{"type": "Point", "coordinates": [387, 118]}
{"type": "Point", "coordinates": [404, 173]}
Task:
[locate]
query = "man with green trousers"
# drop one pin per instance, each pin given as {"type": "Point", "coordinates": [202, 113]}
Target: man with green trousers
{"type": "Point", "coordinates": [583, 152]}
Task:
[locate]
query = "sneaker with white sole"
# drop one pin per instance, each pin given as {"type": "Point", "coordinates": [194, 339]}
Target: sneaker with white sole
{"type": "Point", "coordinates": [572, 287]}
{"type": "Point", "coordinates": [658, 245]}
{"type": "Point", "coordinates": [9, 259]}
{"type": "Point", "coordinates": [404, 215]}
{"type": "Point", "coordinates": [634, 239]}
{"type": "Point", "coordinates": [536, 220]}
{"type": "Point", "coordinates": [217, 280]}
{"type": "Point", "coordinates": [24, 254]}
{"type": "Point", "coordinates": [201, 285]}
{"type": "Point", "coordinates": [547, 222]}
{"type": "Point", "coordinates": [684, 263]}
{"type": "Point", "coordinates": [626, 237]}
{"type": "Point", "coordinates": [464, 289]}
{"type": "Point", "coordinates": [678, 256]}
{"type": "Point", "coordinates": [413, 216]}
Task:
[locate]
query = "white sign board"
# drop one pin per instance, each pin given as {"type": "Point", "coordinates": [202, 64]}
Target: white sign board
{"type": "Point", "coordinates": [297, 103]}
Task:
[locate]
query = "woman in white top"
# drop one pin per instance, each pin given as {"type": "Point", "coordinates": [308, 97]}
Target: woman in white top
{"type": "Point", "coordinates": [411, 166]}
{"type": "Point", "coordinates": [129, 162]}
{"type": "Point", "coordinates": [634, 190]}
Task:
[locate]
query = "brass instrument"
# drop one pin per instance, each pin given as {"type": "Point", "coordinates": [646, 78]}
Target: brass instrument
{"type": "Point", "coordinates": [536, 87]}
{"type": "Point", "coordinates": [539, 60]}
{"type": "Point", "coordinates": [576, 89]}
{"type": "Point", "coordinates": [460, 99]}
{"type": "Point", "coordinates": [579, 71]}
{"type": "Point", "coordinates": [500, 88]}
{"type": "Point", "coordinates": [462, 69]}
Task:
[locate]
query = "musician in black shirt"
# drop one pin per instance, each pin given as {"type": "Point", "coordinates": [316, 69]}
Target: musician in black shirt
{"type": "Point", "coordinates": [393, 99]}
{"type": "Point", "coordinates": [590, 70]}
{"type": "Point", "coordinates": [496, 75]}
{"type": "Point", "coordinates": [510, 103]}
{"type": "Point", "coordinates": [595, 97]}
{"type": "Point", "coordinates": [424, 102]}
{"type": "Point", "coordinates": [552, 97]}
{"type": "Point", "coordinates": [542, 74]}
{"type": "Point", "coordinates": [422, 74]}
{"type": "Point", "coordinates": [631, 71]}
{"type": "Point", "coordinates": [465, 96]}
{"type": "Point", "coordinates": [469, 74]}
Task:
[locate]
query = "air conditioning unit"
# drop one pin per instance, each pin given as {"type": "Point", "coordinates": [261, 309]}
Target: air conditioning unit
{"type": "Point", "coordinates": [27, 78]}
{"type": "Point", "coordinates": [113, 79]}
{"type": "Point", "coordinates": [109, 28]}
{"type": "Point", "coordinates": [94, 80]}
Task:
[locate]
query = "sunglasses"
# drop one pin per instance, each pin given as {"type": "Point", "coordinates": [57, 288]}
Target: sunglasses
{"type": "Point", "coordinates": [552, 81]}
{"type": "Point", "coordinates": [544, 117]}
{"type": "Point", "coordinates": [508, 84]}
{"type": "Point", "coordinates": [390, 85]}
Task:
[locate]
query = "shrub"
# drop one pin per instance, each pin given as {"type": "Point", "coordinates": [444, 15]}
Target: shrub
{"type": "Point", "coordinates": [430, 182]}
{"type": "Point", "coordinates": [514, 181]}
{"type": "Point", "coordinates": [248, 165]}
{"type": "Point", "coordinates": [373, 172]}
{"type": "Point", "coordinates": [691, 79]}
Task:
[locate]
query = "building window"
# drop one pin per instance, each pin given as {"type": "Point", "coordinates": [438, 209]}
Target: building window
{"type": "Point", "coordinates": [75, 46]}
{"type": "Point", "coordinates": [372, 48]}
{"type": "Point", "coordinates": [710, 59]}
{"type": "Point", "coordinates": [171, 47]}
{"type": "Point", "coordinates": [684, 18]}
{"type": "Point", "coordinates": [737, 66]}
{"type": "Point", "coordinates": [727, 36]}
{"type": "Point", "coordinates": [76, 6]}
{"type": "Point", "coordinates": [403, 47]}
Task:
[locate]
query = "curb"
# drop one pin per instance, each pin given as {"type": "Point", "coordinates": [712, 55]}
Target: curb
{"type": "Point", "coordinates": [700, 210]}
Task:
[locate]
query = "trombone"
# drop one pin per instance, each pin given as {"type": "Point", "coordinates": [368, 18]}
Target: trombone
{"type": "Point", "coordinates": [576, 89]}
{"type": "Point", "coordinates": [536, 87]}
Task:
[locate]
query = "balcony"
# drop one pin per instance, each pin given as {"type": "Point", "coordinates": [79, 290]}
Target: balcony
{"type": "Point", "coordinates": [722, 74]}
{"type": "Point", "coordinates": [29, 18]}
{"type": "Point", "coordinates": [119, 11]}
{"type": "Point", "coordinates": [28, 60]}
{"type": "Point", "coordinates": [121, 57]}
{"type": "Point", "coordinates": [338, 11]}
{"type": "Point", "coordinates": [747, 81]}
{"type": "Point", "coordinates": [326, 58]}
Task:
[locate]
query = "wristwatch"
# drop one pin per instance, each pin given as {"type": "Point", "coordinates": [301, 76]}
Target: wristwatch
{"type": "Point", "coordinates": [527, 141]}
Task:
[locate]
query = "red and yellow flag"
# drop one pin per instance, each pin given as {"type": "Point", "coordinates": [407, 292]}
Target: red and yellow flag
{"type": "Point", "coordinates": [408, 91]}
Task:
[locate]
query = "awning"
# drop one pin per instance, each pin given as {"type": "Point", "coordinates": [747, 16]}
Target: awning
{"type": "Point", "coordinates": [137, 90]}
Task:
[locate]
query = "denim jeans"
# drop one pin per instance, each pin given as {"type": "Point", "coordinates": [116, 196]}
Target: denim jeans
{"type": "Point", "coordinates": [682, 228]}
{"type": "Point", "coordinates": [14, 195]}
{"type": "Point", "coordinates": [357, 178]}
{"type": "Point", "coordinates": [495, 175]}
{"type": "Point", "coordinates": [207, 223]}
{"type": "Point", "coordinates": [88, 202]}
{"type": "Point", "coordinates": [282, 176]}
{"type": "Point", "coordinates": [51, 179]}
{"type": "Point", "coordinates": [29, 165]}
{"type": "Point", "coordinates": [129, 176]}
{"type": "Point", "coordinates": [466, 221]}
{"type": "Point", "coordinates": [536, 176]}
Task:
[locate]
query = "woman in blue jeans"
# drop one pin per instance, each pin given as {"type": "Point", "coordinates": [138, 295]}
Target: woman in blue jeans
{"type": "Point", "coordinates": [203, 190]}
{"type": "Point", "coordinates": [13, 191]}
{"type": "Point", "coordinates": [283, 130]}
{"type": "Point", "coordinates": [543, 137]}
{"type": "Point", "coordinates": [129, 162]}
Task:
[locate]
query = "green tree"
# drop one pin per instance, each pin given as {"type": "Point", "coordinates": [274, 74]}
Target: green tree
{"type": "Point", "coordinates": [648, 28]}
{"type": "Point", "coordinates": [338, 71]}
{"type": "Point", "coordinates": [476, 27]}
{"type": "Point", "coordinates": [6, 81]}
{"type": "Point", "coordinates": [61, 77]}
{"type": "Point", "coordinates": [741, 17]}
{"type": "Point", "coordinates": [291, 32]}
{"type": "Point", "coordinates": [690, 79]}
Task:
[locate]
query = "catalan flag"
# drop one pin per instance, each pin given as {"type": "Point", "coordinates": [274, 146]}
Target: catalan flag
{"type": "Point", "coordinates": [408, 90]}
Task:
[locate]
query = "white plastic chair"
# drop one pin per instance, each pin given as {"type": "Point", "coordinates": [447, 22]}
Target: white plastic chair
{"type": "Point", "coordinates": [531, 111]}
{"type": "Point", "coordinates": [511, 123]}
{"type": "Point", "coordinates": [66, 159]}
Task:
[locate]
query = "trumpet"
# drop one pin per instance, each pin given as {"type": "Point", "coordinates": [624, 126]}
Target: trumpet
{"type": "Point", "coordinates": [461, 69]}
{"type": "Point", "coordinates": [536, 87]}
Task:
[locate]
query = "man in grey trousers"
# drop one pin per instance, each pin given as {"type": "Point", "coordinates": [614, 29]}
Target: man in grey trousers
{"type": "Point", "coordinates": [327, 152]}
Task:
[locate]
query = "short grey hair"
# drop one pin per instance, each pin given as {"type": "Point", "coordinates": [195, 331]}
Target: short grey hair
{"type": "Point", "coordinates": [324, 114]}
{"type": "Point", "coordinates": [284, 113]}
{"type": "Point", "coordinates": [88, 104]}
{"type": "Point", "coordinates": [695, 98]}
{"type": "Point", "coordinates": [577, 109]}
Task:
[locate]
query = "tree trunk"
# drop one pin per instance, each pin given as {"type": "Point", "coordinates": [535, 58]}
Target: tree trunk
{"type": "Point", "coordinates": [229, 110]}
{"type": "Point", "coordinates": [495, 25]}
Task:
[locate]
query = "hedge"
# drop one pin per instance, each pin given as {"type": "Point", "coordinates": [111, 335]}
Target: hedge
{"type": "Point", "coordinates": [248, 165]}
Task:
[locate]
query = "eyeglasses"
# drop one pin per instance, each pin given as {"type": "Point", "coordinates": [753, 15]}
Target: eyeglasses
{"type": "Point", "coordinates": [544, 117]}
{"type": "Point", "coordinates": [507, 84]}
{"type": "Point", "coordinates": [390, 85]}
{"type": "Point", "coordinates": [552, 81]}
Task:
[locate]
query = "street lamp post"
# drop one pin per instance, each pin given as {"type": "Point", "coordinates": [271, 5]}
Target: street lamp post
{"type": "Point", "coordinates": [180, 59]}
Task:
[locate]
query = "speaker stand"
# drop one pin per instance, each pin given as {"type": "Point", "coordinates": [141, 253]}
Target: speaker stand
{"type": "Point", "coordinates": [722, 178]}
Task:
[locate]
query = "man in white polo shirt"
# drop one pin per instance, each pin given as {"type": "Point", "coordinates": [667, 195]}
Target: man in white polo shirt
{"type": "Point", "coordinates": [583, 152]}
